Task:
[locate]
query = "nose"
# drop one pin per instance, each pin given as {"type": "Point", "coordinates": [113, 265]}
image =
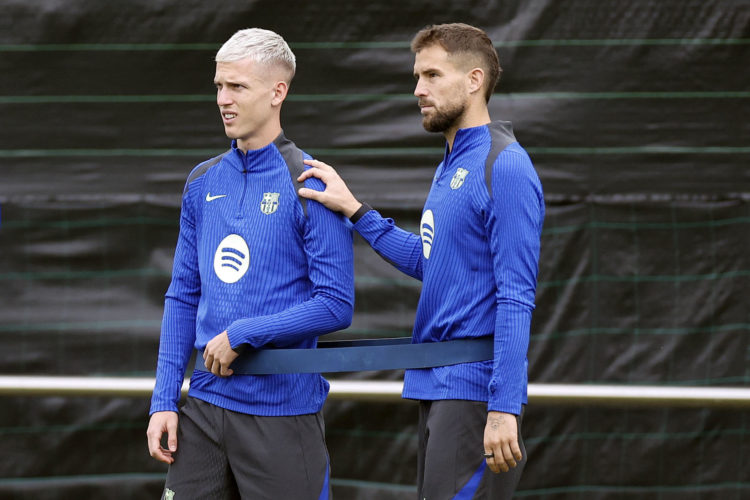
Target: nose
{"type": "Point", "coordinates": [222, 97]}
{"type": "Point", "coordinates": [419, 89]}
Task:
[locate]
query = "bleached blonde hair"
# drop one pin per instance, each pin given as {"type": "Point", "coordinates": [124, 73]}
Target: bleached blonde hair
{"type": "Point", "coordinates": [262, 46]}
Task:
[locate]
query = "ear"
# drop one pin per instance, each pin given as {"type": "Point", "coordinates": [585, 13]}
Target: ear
{"type": "Point", "coordinates": [280, 90]}
{"type": "Point", "coordinates": [476, 79]}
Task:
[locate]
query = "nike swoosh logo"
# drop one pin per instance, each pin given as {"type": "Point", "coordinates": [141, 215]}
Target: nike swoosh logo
{"type": "Point", "coordinates": [212, 198]}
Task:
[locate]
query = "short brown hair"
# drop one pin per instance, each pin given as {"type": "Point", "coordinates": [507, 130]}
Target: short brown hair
{"type": "Point", "coordinates": [459, 38]}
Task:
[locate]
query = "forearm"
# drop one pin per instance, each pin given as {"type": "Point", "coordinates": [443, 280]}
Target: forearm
{"type": "Point", "coordinates": [400, 248]}
{"type": "Point", "coordinates": [507, 387]}
{"type": "Point", "coordinates": [320, 315]}
{"type": "Point", "coordinates": [175, 348]}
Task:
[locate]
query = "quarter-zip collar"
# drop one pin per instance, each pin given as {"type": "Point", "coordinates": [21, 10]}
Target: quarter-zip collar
{"type": "Point", "coordinates": [255, 160]}
{"type": "Point", "coordinates": [466, 139]}
{"type": "Point", "coordinates": [469, 139]}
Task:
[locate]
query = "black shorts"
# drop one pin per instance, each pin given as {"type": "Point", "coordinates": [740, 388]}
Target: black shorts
{"type": "Point", "coordinates": [451, 445]}
{"type": "Point", "coordinates": [228, 455]}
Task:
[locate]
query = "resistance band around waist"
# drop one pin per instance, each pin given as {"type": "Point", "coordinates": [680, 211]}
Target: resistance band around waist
{"type": "Point", "coordinates": [360, 355]}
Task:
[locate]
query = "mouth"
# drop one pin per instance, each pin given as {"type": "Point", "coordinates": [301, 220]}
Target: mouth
{"type": "Point", "coordinates": [425, 108]}
{"type": "Point", "coordinates": [228, 117]}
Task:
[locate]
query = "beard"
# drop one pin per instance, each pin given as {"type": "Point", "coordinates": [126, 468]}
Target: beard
{"type": "Point", "coordinates": [443, 119]}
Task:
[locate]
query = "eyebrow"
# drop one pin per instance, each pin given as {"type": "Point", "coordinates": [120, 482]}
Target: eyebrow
{"type": "Point", "coordinates": [428, 69]}
{"type": "Point", "coordinates": [231, 82]}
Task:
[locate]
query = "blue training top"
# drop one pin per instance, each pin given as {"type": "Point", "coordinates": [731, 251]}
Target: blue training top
{"type": "Point", "coordinates": [253, 260]}
{"type": "Point", "coordinates": [477, 256]}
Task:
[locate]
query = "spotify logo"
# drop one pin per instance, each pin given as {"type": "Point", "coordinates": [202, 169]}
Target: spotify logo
{"type": "Point", "coordinates": [232, 259]}
{"type": "Point", "coordinates": [427, 231]}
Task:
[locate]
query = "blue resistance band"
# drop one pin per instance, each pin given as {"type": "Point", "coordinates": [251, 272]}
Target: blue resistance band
{"type": "Point", "coordinates": [360, 355]}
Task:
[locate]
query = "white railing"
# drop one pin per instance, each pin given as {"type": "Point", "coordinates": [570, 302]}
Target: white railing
{"type": "Point", "coordinates": [390, 391]}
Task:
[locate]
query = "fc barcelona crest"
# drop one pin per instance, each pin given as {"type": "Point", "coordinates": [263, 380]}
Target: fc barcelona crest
{"type": "Point", "coordinates": [458, 178]}
{"type": "Point", "coordinates": [270, 203]}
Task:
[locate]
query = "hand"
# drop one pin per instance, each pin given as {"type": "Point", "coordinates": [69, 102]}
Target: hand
{"type": "Point", "coordinates": [161, 422]}
{"type": "Point", "coordinates": [218, 355]}
{"type": "Point", "coordinates": [337, 196]}
{"type": "Point", "coordinates": [501, 439]}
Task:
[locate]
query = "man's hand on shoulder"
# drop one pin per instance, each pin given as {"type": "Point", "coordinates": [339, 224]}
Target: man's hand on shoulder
{"type": "Point", "coordinates": [336, 196]}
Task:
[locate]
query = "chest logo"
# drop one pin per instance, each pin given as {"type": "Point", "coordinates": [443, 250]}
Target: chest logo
{"type": "Point", "coordinates": [427, 232]}
{"type": "Point", "coordinates": [270, 203]}
{"type": "Point", "coordinates": [210, 198]}
{"type": "Point", "coordinates": [458, 178]}
{"type": "Point", "coordinates": [232, 259]}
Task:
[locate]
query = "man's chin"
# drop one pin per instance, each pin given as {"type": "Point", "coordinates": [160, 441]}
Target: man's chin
{"type": "Point", "coordinates": [431, 126]}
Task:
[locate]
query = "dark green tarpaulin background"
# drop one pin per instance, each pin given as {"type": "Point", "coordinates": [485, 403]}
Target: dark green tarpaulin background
{"type": "Point", "coordinates": [634, 113]}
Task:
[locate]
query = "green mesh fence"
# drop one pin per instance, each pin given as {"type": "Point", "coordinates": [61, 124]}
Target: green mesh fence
{"type": "Point", "coordinates": [634, 113]}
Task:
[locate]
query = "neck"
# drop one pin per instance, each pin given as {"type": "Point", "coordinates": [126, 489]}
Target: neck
{"type": "Point", "coordinates": [473, 117]}
{"type": "Point", "coordinates": [260, 138]}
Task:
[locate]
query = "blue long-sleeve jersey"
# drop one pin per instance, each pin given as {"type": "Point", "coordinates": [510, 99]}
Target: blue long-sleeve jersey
{"type": "Point", "coordinates": [477, 256]}
{"type": "Point", "coordinates": [251, 259]}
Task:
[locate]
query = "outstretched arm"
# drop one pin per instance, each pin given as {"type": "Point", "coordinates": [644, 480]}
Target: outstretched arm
{"type": "Point", "coordinates": [399, 248]}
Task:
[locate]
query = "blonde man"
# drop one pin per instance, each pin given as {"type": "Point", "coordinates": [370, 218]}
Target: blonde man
{"type": "Point", "coordinates": [254, 267]}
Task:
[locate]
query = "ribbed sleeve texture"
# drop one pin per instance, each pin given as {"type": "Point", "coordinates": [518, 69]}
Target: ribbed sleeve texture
{"type": "Point", "coordinates": [297, 282]}
{"type": "Point", "coordinates": [514, 228]}
{"type": "Point", "coordinates": [180, 309]}
{"type": "Point", "coordinates": [401, 248]}
{"type": "Point", "coordinates": [477, 256]}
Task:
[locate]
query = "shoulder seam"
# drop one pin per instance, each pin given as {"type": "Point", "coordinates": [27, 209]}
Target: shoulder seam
{"type": "Point", "coordinates": [293, 158]}
{"type": "Point", "coordinates": [202, 168]}
{"type": "Point", "coordinates": [501, 137]}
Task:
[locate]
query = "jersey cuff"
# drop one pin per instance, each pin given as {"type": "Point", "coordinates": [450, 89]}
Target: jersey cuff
{"type": "Point", "coordinates": [362, 210]}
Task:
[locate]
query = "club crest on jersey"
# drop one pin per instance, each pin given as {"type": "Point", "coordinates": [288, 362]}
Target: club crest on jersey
{"type": "Point", "coordinates": [458, 178]}
{"type": "Point", "coordinates": [270, 203]}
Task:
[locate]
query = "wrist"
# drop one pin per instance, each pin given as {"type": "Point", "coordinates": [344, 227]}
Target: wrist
{"type": "Point", "coordinates": [351, 208]}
